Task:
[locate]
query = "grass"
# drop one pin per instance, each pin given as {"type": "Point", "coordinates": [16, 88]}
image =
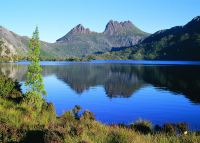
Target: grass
{"type": "Point", "coordinates": [20, 123]}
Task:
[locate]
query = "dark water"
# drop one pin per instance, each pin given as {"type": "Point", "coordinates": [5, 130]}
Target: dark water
{"type": "Point", "coordinates": [122, 91]}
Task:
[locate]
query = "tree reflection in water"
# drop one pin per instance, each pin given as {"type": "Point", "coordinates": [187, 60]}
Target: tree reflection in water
{"type": "Point", "coordinates": [119, 80]}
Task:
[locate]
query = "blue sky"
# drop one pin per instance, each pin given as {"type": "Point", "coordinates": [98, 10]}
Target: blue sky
{"type": "Point", "coordinates": [56, 17]}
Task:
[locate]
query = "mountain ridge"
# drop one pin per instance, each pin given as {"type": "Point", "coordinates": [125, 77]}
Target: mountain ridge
{"type": "Point", "coordinates": [79, 41]}
{"type": "Point", "coordinates": [176, 43]}
{"type": "Point", "coordinates": [79, 29]}
{"type": "Point", "coordinates": [113, 28]}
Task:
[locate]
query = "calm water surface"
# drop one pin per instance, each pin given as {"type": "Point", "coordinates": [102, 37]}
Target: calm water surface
{"type": "Point", "coordinates": [122, 91]}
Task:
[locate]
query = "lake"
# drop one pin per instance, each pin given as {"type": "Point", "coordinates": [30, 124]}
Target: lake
{"type": "Point", "coordinates": [122, 91]}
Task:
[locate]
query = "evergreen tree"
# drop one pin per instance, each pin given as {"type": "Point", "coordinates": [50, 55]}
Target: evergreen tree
{"type": "Point", "coordinates": [34, 79]}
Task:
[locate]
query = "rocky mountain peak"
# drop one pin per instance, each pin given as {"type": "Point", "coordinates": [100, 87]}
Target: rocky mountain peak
{"type": "Point", "coordinates": [114, 27]}
{"type": "Point", "coordinates": [127, 24]}
{"type": "Point", "coordinates": [2, 29]}
{"type": "Point", "coordinates": [197, 19]}
{"type": "Point", "coordinates": [80, 29]}
{"type": "Point", "coordinates": [194, 24]}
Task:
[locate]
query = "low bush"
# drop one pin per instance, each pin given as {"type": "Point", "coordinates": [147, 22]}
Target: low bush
{"type": "Point", "coordinates": [117, 137]}
{"type": "Point", "coordinates": [53, 137]}
{"type": "Point", "coordinates": [169, 128]}
{"type": "Point", "coordinates": [76, 111]}
{"type": "Point", "coordinates": [87, 115]}
{"type": "Point", "coordinates": [9, 89]}
{"type": "Point", "coordinates": [142, 126]}
{"type": "Point", "coordinates": [182, 127]}
{"type": "Point", "coordinates": [157, 129]}
{"type": "Point", "coordinates": [76, 130]}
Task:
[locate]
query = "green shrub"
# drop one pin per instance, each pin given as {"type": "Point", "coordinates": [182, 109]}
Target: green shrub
{"type": "Point", "coordinates": [87, 115]}
{"type": "Point", "coordinates": [142, 126]}
{"type": "Point", "coordinates": [182, 127]}
{"type": "Point", "coordinates": [169, 128]}
{"type": "Point", "coordinates": [175, 128]}
{"type": "Point", "coordinates": [9, 134]}
{"type": "Point", "coordinates": [76, 130]}
{"type": "Point", "coordinates": [117, 137]}
{"type": "Point", "coordinates": [53, 137]}
{"type": "Point", "coordinates": [9, 88]}
{"type": "Point", "coordinates": [67, 116]}
{"type": "Point", "coordinates": [76, 111]}
{"type": "Point", "coordinates": [157, 128]}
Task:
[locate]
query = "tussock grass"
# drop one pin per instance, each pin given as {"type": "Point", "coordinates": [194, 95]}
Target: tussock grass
{"type": "Point", "coordinates": [20, 123]}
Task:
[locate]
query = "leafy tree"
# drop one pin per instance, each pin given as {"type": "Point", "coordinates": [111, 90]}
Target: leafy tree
{"type": "Point", "coordinates": [34, 79]}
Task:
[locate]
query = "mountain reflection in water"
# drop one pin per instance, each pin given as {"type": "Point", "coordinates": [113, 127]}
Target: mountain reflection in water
{"type": "Point", "coordinates": [119, 80]}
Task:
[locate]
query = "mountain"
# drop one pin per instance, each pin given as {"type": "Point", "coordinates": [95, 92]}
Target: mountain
{"type": "Point", "coordinates": [78, 30]}
{"type": "Point", "coordinates": [177, 43]}
{"type": "Point", "coordinates": [122, 28]}
{"type": "Point", "coordinates": [7, 51]}
{"type": "Point", "coordinates": [79, 41]}
{"type": "Point", "coordinates": [82, 41]}
{"type": "Point", "coordinates": [12, 45]}
{"type": "Point", "coordinates": [123, 33]}
{"type": "Point", "coordinates": [123, 39]}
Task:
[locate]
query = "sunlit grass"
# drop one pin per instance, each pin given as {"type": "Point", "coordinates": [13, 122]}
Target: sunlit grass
{"type": "Point", "coordinates": [20, 122]}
